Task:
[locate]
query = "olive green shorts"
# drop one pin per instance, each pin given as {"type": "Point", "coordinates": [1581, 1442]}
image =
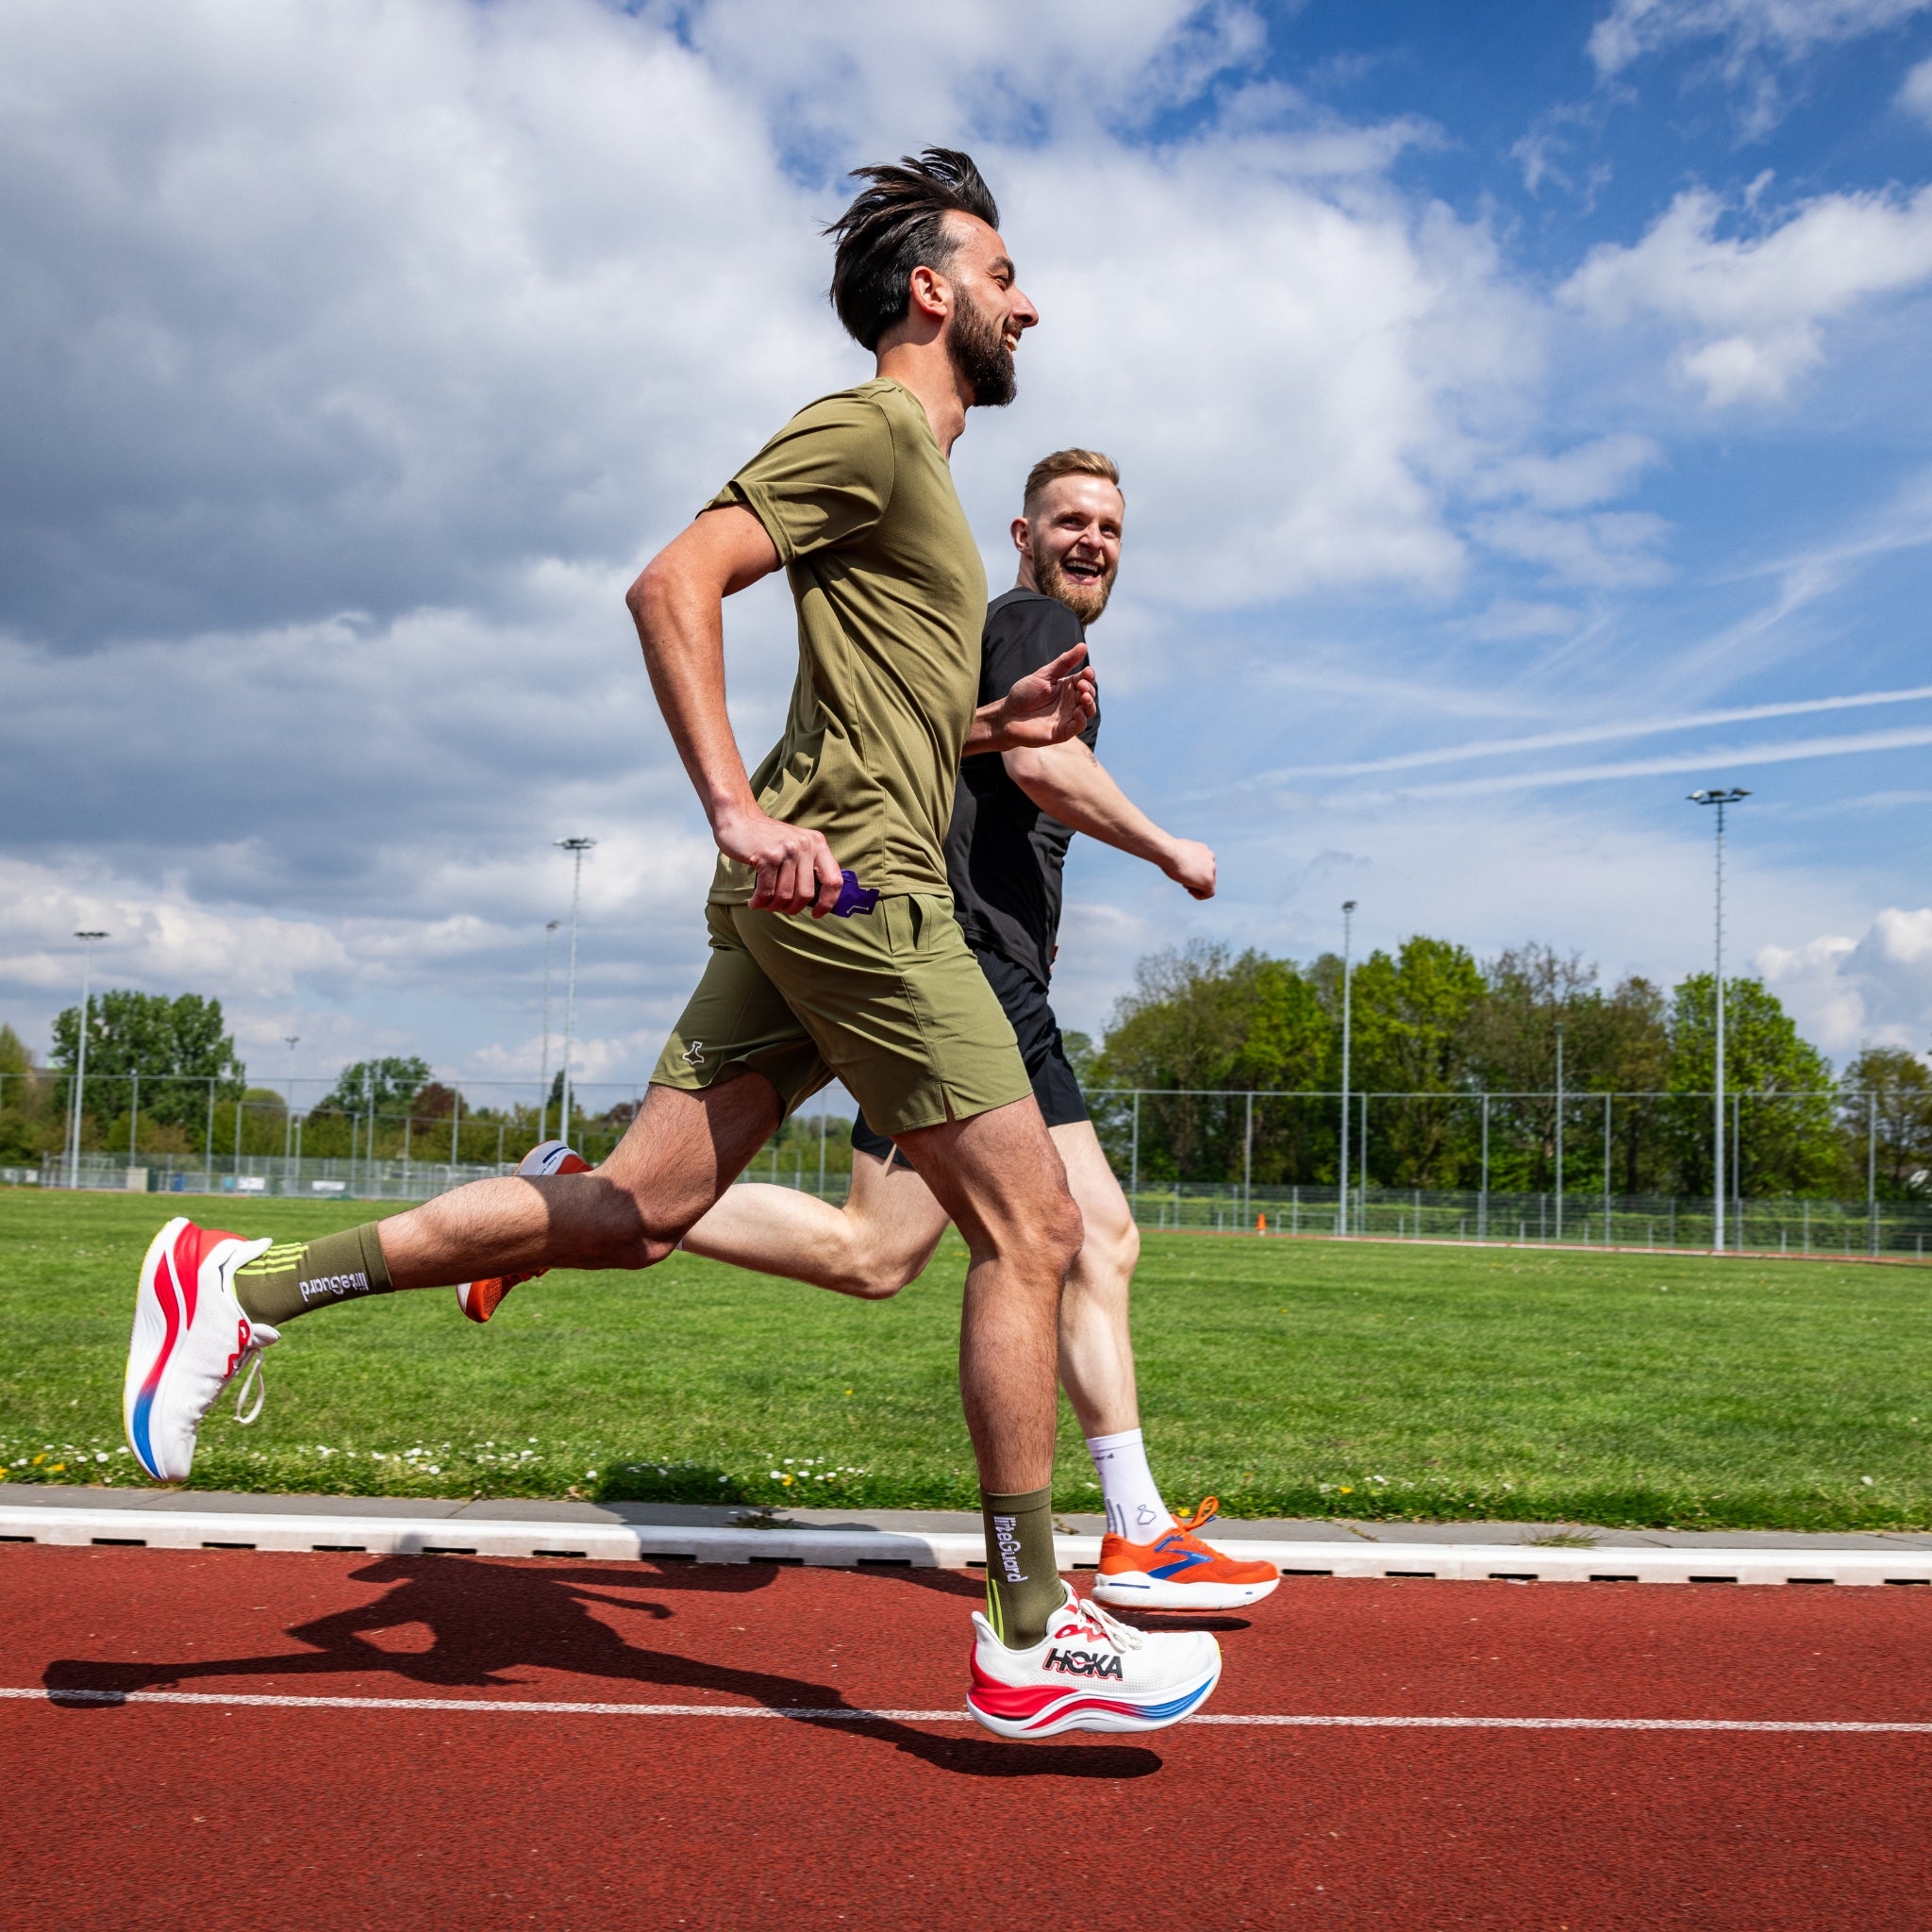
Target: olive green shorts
{"type": "Point", "coordinates": [893, 1003]}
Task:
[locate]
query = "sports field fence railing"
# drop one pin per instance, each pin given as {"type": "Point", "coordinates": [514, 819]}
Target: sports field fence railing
{"type": "Point", "coordinates": [1543, 1164]}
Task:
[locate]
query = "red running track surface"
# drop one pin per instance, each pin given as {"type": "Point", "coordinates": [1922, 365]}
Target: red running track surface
{"type": "Point", "coordinates": [224, 1814]}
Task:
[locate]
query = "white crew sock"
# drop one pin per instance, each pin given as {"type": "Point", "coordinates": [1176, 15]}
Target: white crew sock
{"type": "Point", "coordinates": [1134, 1509]}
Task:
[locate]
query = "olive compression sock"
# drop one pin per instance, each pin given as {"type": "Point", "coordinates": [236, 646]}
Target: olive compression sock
{"type": "Point", "coordinates": [1022, 1584]}
{"type": "Point", "coordinates": [294, 1276]}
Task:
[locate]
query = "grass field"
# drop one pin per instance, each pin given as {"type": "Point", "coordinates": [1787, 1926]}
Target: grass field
{"type": "Point", "coordinates": [1290, 1378]}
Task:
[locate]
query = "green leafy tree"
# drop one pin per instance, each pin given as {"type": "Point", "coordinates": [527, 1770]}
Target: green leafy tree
{"type": "Point", "coordinates": [1884, 1108]}
{"type": "Point", "coordinates": [176, 1046]}
{"type": "Point", "coordinates": [1787, 1140]}
{"type": "Point", "coordinates": [389, 1084]}
{"type": "Point", "coordinates": [1411, 1018]}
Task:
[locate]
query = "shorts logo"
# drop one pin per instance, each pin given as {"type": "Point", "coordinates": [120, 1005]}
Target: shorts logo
{"type": "Point", "coordinates": [694, 1054]}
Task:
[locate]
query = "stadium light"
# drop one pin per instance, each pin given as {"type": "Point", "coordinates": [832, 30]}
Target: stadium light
{"type": "Point", "coordinates": [576, 848]}
{"type": "Point", "coordinates": [87, 956]}
{"type": "Point", "coordinates": [543, 1066]}
{"type": "Point", "coordinates": [1719, 797]}
{"type": "Point", "coordinates": [1347, 937]}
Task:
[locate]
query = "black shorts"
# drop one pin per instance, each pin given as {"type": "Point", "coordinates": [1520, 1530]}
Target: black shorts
{"type": "Point", "coordinates": [1041, 1046]}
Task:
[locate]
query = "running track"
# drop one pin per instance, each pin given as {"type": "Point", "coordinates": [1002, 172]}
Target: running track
{"type": "Point", "coordinates": [414, 1811]}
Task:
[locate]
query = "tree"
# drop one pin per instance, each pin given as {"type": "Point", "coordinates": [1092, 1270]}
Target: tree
{"type": "Point", "coordinates": [1889, 1087]}
{"type": "Point", "coordinates": [391, 1084]}
{"type": "Point", "coordinates": [176, 1046]}
{"type": "Point", "coordinates": [1783, 1108]}
{"type": "Point", "coordinates": [1205, 1018]}
{"type": "Point", "coordinates": [1411, 1018]}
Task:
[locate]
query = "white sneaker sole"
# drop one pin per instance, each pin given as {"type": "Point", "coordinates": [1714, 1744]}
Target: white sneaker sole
{"type": "Point", "coordinates": [1134, 1590]}
{"type": "Point", "coordinates": [161, 1321]}
{"type": "Point", "coordinates": [1098, 1711]}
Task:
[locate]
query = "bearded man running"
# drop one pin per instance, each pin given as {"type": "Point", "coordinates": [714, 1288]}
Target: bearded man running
{"type": "Point", "coordinates": [1014, 815]}
{"type": "Point", "coordinates": [855, 499]}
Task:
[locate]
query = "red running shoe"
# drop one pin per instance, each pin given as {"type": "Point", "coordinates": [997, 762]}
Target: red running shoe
{"type": "Point", "coordinates": [479, 1300]}
{"type": "Point", "coordinates": [1178, 1572]}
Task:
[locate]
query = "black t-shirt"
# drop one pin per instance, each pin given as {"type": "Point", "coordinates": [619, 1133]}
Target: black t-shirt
{"type": "Point", "coordinates": [1004, 855]}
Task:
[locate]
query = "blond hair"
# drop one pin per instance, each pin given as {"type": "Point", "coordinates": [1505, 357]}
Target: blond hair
{"type": "Point", "coordinates": [1068, 462]}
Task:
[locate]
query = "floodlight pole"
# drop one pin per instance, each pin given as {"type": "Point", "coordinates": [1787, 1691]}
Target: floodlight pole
{"type": "Point", "coordinates": [1347, 959]}
{"type": "Point", "coordinates": [291, 1040]}
{"type": "Point", "coordinates": [544, 1067]}
{"type": "Point", "coordinates": [576, 848]}
{"type": "Point", "coordinates": [86, 971]}
{"type": "Point", "coordinates": [1559, 1130]}
{"type": "Point", "coordinates": [1719, 1179]}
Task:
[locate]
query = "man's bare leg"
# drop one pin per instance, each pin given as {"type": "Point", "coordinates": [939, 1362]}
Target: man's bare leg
{"type": "Point", "coordinates": [998, 1179]}
{"type": "Point", "coordinates": [885, 1234]}
{"type": "Point", "coordinates": [881, 1240]}
{"type": "Point", "coordinates": [680, 1152]}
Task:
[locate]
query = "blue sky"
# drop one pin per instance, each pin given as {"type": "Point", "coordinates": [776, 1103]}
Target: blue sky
{"type": "Point", "coordinates": [1521, 408]}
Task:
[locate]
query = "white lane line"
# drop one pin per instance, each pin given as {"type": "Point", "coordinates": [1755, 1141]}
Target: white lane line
{"type": "Point", "coordinates": [842, 1714]}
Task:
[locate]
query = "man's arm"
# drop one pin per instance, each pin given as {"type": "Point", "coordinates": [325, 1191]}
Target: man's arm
{"type": "Point", "coordinates": [1071, 783]}
{"type": "Point", "coordinates": [1046, 707]}
{"type": "Point", "coordinates": [678, 606]}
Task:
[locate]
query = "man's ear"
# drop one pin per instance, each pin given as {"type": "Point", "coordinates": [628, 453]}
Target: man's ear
{"type": "Point", "coordinates": [1022, 530]}
{"type": "Point", "coordinates": [929, 293]}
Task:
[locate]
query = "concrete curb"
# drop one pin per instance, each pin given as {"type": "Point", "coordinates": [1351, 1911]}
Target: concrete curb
{"type": "Point", "coordinates": [429, 1536]}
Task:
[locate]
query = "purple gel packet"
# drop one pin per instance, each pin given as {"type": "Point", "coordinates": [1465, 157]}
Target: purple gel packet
{"type": "Point", "coordinates": [853, 897]}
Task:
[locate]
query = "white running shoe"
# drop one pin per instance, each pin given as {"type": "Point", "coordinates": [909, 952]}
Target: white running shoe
{"type": "Point", "coordinates": [191, 1339]}
{"type": "Point", "coordinates": [481, 1299]}
{"type": "Point", "coordinates": [1090, 1672]}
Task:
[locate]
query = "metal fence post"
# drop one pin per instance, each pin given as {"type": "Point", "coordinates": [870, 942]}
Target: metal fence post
{"type": "Point", "coordinates": [210, 1127]}
{"type": "Point", "coordinates": [1361, 1219]}
{"type": "Point", "coordinates": [1607, 1170]}
{"type": "Point", "coordinates": [1482, 1212]}
{"type": "Point", "coordinates": [1248, 1159]}
{"type": "Point", "coordinates": [1134, 1164]}
{"type": "Point", "coordinates": [1872, 1165]}
{"type": "Point", "coordinates": [134, 1123]}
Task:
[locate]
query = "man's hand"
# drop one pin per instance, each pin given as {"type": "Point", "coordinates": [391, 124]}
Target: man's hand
{"type": "Point", "coordinates": [1046, 707]}
{"type": "Point", "coordinates": [795, 867]}
{"type": "Point", "coordinates": [1191, 864]}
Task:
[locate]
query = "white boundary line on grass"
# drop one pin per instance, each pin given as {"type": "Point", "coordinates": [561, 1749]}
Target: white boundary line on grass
{"type": "Point", "coordinates": [471, 1536]}
{"type": "Point", "coordinates": [841, 1714]}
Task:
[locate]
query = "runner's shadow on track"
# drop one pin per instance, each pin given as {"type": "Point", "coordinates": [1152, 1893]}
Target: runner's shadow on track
{"type": "Point", "coordinates": [486, 1620]}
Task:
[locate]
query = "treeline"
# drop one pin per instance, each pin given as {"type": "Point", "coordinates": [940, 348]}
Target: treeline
{"type": "Point", "coordinates": [1431, 1022]}
{"type": "Point", "coordinates": [193, 1096]}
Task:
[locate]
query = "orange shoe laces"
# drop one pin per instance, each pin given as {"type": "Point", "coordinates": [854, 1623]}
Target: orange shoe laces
{"type": "Point", "coordinates": [1192, 1525]}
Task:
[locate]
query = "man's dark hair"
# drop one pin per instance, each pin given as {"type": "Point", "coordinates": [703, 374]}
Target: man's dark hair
{"type": "Point", "coordinates": [898, 224]}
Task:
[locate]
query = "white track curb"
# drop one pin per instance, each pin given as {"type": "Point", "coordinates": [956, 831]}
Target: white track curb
{"type": "Point", "coordinates": [403, 1536]}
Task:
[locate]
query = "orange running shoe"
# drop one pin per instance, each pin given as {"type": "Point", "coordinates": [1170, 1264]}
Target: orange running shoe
{"type": "Point", "coordinates": [479, 1300]}
{"type": "Point", "coordinates": [1178, 1572]}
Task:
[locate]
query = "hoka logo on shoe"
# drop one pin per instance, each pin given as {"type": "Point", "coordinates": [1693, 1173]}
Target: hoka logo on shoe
{"type": "Point", "coordinates": [1083, 1663]}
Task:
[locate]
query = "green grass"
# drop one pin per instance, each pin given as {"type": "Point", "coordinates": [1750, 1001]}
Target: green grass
{"type": "Point", "coordinates": [1289, 1378]}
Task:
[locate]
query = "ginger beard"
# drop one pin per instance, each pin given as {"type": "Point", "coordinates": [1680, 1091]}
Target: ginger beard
{"type": "Point", "coordinates": [1083, 583]}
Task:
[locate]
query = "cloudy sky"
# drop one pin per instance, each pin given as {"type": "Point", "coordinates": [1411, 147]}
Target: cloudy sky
{"type": "Point", "coordinates": [1522, 406]}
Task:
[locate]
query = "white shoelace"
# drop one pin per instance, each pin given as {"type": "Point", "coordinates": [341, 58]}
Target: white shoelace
{"type": "Point", "coordinates": [248, 1376]}
{"type": "Point", "coordinates": [1122, 1636]}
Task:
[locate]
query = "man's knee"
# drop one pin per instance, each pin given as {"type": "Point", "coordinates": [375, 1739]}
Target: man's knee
{"type": "Point", "coordinates": [876, 1270]}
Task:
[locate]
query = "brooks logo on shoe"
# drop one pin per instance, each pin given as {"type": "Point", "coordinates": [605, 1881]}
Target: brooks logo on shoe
{"type": "Point", "coordinates": [1082, 1663]}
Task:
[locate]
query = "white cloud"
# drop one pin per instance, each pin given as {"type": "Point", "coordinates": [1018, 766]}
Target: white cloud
{"type": "Point", "coordinates": [1788, 27]}
{"type": "Point", "coordinates": [1752, 309]}
{"type": "Point", "coordinates": [1915, 95]}
{"type": "Point", "coordinates": [1754, 38]}
{"type": "Point", "coordinates": [1849, 992]}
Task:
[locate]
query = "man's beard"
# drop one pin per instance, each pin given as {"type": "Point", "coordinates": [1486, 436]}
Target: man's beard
{"type": "Point", "coordinates": [1085, 597]}
{"type": "Point", "coordinates": [978, 350]}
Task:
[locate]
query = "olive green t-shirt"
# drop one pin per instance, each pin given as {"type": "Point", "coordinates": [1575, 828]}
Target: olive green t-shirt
{"type": "Point", "coordinates": [859, 504]}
